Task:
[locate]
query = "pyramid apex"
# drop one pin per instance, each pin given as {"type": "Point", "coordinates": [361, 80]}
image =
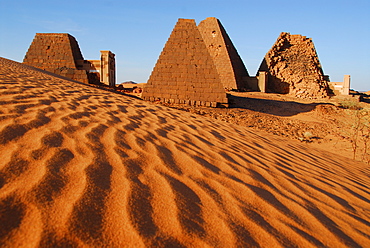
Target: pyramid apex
{"type": "Point", "coordinates": [210, 20]}
{"type": "Point", "coordinates": [186, 20]}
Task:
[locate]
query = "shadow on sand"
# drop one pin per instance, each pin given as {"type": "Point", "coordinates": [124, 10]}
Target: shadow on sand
{"type": "Point", "coordinates": [272, 107]}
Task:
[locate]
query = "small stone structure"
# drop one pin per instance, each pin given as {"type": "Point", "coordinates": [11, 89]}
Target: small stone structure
{"type": "Point", "coordinates": [106, 67]}
{"type": "Point", "coordinates": [262, 80]}
{"type": "Point", "coordinates": [230, 67]}
{"type": "Point", "coordinates": [341, 88]}
{"type": "Point", "coordinates": [59, 53]}
{"type": "Point", "coordinates": [293, 68]}
{"type": "Point", "coordinates": [185, 72]}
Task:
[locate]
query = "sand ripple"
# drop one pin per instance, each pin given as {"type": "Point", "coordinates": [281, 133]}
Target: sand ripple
{"type": "Point", "coordinates": [83, 167]}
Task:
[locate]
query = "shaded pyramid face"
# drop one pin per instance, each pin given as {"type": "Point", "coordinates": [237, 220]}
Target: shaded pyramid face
{"type": "Point", "coordinates": [185, 71]}
{"type": "Point", "coordinates": [294, 68]}
{"type": "Point", "coordinates": [57, 53]}
{"type": "Point", "coordinates": [230, 67]}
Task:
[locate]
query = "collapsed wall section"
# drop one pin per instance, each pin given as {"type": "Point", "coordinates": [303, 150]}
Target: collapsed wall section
{"type": "Point", "coordinates": [294, 68]}
{"type": "Point", "coordinates": [231, 69]}
{"type": "Point", "coordinates": [185, 72]}
{"type": "Point", "coordinates": [58, 53]}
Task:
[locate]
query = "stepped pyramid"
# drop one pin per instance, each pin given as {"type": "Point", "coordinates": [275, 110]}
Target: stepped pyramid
{"type": "Point", "coordinates": [293, 67]}
{"type": "Point", "coordinates": [185, 71]}
{"type": "Point", "coordinates": [230, 67]}
{"type": "Point", "coordinates": [58, 53]}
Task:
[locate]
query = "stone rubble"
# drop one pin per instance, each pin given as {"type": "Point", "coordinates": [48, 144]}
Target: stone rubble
{"type": "Point", "coordinates": [294, 68]}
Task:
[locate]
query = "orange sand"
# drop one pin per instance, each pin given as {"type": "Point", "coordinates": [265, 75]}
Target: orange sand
{"type": "Point", "coordinates": [83, 167]}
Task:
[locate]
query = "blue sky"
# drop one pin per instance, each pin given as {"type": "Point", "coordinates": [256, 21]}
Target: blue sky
{"type": "Point", "coordinates": [136, 31]}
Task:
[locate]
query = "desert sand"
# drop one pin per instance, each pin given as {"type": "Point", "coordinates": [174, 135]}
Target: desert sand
{"type": "Point", "coordinates": [85, 167]}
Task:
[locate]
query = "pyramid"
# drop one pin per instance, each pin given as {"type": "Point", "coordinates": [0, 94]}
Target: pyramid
{"type": "Point", "coordinates": [185, 71]}
{"type": "Point", "coordinates": [58, 53]}
{"type": "Point", "coordinates": [294, 68]}
{"type": "Point", "coordinates": [231, 69]}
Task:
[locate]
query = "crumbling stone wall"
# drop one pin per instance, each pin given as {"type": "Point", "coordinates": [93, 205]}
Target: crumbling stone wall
{"type": "Point", "coordinates": [231, 69]}
{"type": "Point", "coordinates": [58, 53]}
{"type": "Point", "coordinates": [293, 67]}
{"type": "Point", "coordinates": [185, 72]}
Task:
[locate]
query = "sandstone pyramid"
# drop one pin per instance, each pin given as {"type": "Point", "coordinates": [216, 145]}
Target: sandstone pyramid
{"type": "Point", "coordinates": [230, 67]}
{"type": "Point", "coordinates": [294, 67]}
{"type": "Point", "coordinates": [185, 71]}
{"type": "Point", "coordinates": [57, 53]}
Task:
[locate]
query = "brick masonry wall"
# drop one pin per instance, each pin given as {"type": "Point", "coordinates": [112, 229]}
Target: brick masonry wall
{"type": "Point", "coordinates": [56, 53]}
{"type": "Point", "coordinates": [185, 72]}
{"type": "Point", "coordinates": [293, 67]}
{"type": "Point", "coordinates": [229, 65]}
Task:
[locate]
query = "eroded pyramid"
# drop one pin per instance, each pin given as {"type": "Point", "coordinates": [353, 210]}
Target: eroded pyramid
{"type": "Point", "coordinates": [294, 68]}
{"type": "Point", "coordinates": [185, 71]}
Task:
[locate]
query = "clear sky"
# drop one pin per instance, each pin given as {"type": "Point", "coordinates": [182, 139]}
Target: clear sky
{"type": "Point", "coordinates": [136, 31]}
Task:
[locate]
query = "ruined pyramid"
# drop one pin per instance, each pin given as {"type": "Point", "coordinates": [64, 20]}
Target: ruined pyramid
{"type": "Point", "coordinates": [185, 72]}
{"type": "Point", "coordinates": [231, 69]}
{"type": "Point", "coordinates": [294, 68]}
{"type": "Point", "coordinates": [58, 53]}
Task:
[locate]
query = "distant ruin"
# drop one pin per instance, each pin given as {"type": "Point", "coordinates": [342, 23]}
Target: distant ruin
{"type": "Point", "coordinates": [185, 72]}
{"type": "Point", "coordinates": [341, 88]}
{"type": "Point", "coordinates": [230, 67]}
{"type": "Point", "coordinates": [197, 66]}
{"type": "Point", "coordinates": [293, 67]}
{"type": "Point", "coordinates": [59, 53]}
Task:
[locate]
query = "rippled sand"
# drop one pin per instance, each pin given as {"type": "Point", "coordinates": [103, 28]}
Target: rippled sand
{"type": "Point", "coordinates": [83, 167]}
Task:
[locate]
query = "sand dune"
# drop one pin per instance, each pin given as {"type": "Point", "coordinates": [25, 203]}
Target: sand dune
{"type": "Point", "coordinates": [83, 167]}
